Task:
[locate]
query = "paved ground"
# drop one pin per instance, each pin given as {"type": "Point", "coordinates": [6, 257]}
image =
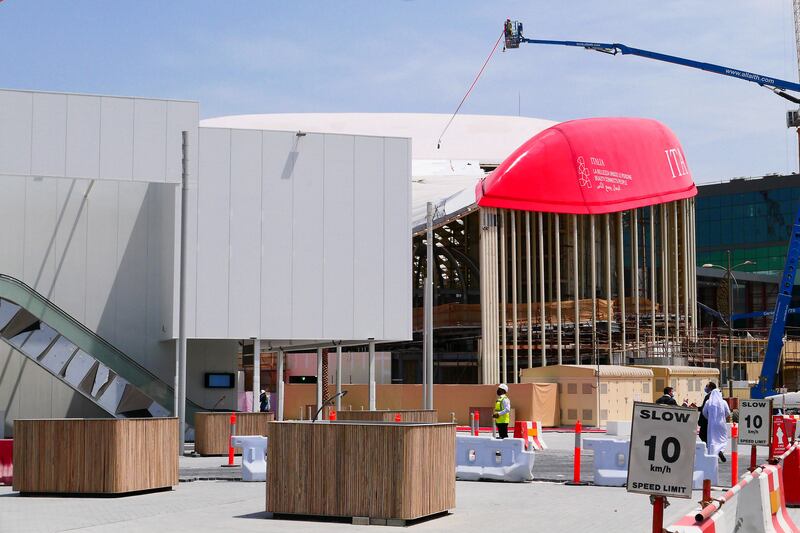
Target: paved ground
{"type": "Point", "coordinates": [210, 506]}
{"type": "Point", "coordinates": [207, 506]}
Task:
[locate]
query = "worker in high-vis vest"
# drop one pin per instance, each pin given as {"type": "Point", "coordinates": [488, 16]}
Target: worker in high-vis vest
{"type": "Point", "coordinates": [502, 411]}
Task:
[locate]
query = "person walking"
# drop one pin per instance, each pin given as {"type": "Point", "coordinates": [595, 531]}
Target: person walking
{"type": "Point", "coordinates": [668, 398]}
{"type": "Point", "coordinates": [702, 422]}
{"type": "Point", "coordinates": [716, 412]}
{"type": "Point", "coordinates": [502, 411]}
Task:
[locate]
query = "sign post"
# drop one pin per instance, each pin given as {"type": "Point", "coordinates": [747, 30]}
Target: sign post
{"type": "Point", "coordinates": [661, 456]}
{"type": "Point", "coordinates": [755, 425]}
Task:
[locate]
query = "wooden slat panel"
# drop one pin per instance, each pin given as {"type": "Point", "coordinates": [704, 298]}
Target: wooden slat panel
{"type": "Point", "coordinates": [212, 430]}
{"type": "Point", "coordinates": [96, 456]}
{"type": "Point", "coordinates": [406, 415]}
{"type": "Point", "coordinates": [398, 471]}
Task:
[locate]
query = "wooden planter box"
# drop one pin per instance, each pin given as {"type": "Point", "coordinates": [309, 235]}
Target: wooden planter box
{"type": "Point", "coordinates": [95, 456]}
{"type": "Point", "coordinates": [381, 472]}
{"type": "Point", "coordinates": [406, 415]}
{"type": "Point", "coordinates": [212, 430]}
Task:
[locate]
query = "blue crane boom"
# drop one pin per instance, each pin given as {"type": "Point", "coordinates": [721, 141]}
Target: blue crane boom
{"type": "Point", "coordinates": [772, 355]}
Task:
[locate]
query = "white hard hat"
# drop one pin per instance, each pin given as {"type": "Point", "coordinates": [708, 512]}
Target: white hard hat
{"type": "Point", "coordinates": [503, 386]}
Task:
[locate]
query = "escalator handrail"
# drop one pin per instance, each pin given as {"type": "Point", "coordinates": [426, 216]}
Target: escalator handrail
{"type": "Point", "coordinates": [49, 303]}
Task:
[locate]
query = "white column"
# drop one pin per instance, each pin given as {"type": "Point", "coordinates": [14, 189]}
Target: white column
{"type": "Point", "coordinates": [653, 274]}
{"type": "Point", "coordinates": [528, 259]}
{"type": "Point", "coordinates": [576, 287]}
{"type": "Point", "coordinates": [610, 316]}
{"type": "Point", "coordinates": [256, 374]}
{"type": "Point", "coordinates": [182, 310]}
{"type": "Point", "coordinates": [676, 266]}
{"type": "Point", "coordinates": [279, 380]}
{"type": "Point", "coordinates": [685, 254]}
{"type": "Point", "coordinates": [338, 378]}
{"type": "Point", "coordinates": [558, 285]}
{"type": "Point", "coordinates": [541, 289]}
{"type": "Point", "coordinates": [635, 270]}
{"type": "Point", "coordinates": [503, 297]}
{"type": "Point", "coordinates": [514, 334]}
{"type": "Point", "coordinates": [593, 262]}
{"type": "Point", "coordinates": [427, 345]}
{"type": "Point", "coordinates": [319, 378]}
{"type": "Point", "coordinates": [372, 376]}
{"type": "Point", "coordinates": [621, 285]}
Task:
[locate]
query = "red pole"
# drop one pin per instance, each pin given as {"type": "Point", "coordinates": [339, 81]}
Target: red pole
{"type": "Point", "coordinates": [477, 417]}
{"type": "Point", "coordinates": [752, 458]}
{"type": "Point", "coordinates": [734, 454]}
{"type": "Point", "coordinates": [230, 439]}
{"type": "Point", "coordinates": [706, 493]}
{"type": "Point", "coordinates": [658, 514]}
{"type": "Point", "coordinates": [576, 474]}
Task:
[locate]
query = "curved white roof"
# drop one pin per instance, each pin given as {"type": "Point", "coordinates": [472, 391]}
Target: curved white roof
{"type": "Point", "coordinates": [488, 139]}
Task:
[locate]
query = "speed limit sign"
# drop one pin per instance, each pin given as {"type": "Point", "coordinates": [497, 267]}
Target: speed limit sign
{"type": "Point", "coordinates": [661, 458]}
{"type": "Point", "coordinates": [755, 422]}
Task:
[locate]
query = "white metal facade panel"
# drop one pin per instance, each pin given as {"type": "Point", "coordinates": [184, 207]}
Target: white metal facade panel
{"type": "Point", "coordinates": [71, 247]}
{"type": "Point", "coordinates": [16, 125]}
{"type": "Point", "coordinates": [279, 154]}
{"type": "Point", "coordinates": [39, 219]}
{"type": "Point", "coordinates": [314, 213]}
{"type": "Point", "coordinates": [213, 234]}
{"type": "Point", "coordinates": [245, 231]}
{"type": "Point", "coordinates": [368, 234]}
{"type": "Point", "coordinates": [149, 138]}
{"type": "Point", "coordinates": [83, 136]}
{"type": "Point", "coordinates": [49, 135]}
{"type": "Point", "coordinates": [12, 237]}
{"type": "Point", "coordinates": [116, 138]}
{"type": "Point", "coordinates": [397, 240]}
{"type": "Point", "coordinates": [338, 234]}
{"type": "Point", "coordinates": [101, 257]}
{"type": "Point", "coordinates": [307, 237]}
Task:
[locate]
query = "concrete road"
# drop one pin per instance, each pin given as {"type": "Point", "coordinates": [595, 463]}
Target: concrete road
{"type": "Point", "coordinates": [207, 506]}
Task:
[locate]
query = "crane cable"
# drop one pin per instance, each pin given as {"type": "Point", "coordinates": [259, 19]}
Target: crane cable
{"type": "Point", "coordinates": [475, 81]}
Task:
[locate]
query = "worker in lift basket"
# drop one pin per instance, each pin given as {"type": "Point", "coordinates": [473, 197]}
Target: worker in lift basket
{"type": "Point", "coordinates": [502, 411]}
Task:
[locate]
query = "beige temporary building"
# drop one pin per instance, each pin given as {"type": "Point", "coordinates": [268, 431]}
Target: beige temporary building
{"type": "Point", "coordinates": [619, 387]}
{"type": "Point", "coordinates": [688, 381]}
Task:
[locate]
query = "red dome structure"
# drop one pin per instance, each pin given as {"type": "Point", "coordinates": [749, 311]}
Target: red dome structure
{"type": "Point", "coordinates": [591, 166]}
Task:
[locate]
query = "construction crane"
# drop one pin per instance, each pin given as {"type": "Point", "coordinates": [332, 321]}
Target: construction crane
{"type": "Point", "coordinates": [513, 36]}
{"type": "Point", "coordinates": [793, 116]}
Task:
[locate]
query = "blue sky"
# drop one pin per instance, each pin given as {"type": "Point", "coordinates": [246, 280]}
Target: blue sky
{"type": "Point", "coordinates": [420, 56]}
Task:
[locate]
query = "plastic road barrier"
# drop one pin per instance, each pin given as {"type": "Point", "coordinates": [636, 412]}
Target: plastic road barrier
{"type": "Point", "coordinates": [610, 464]}
{"type": "Point", "coordinates": [791, 477]}
{"type": "Point", "coordinates": [531, 432]}
{"type": "Point", "coordinates": [718, 516]}
{"type": "Point", "coordinates": [254, 452]}
{"type": "Point", "coordinates": [705, 466]}
{"type": "Point", "coordinates": [493, 459]}
{"type": "Point", "coordinates": [762, 506]}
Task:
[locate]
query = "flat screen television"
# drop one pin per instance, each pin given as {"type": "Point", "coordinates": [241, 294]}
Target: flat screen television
{"type": "Point", "coordinates": [220, 380]}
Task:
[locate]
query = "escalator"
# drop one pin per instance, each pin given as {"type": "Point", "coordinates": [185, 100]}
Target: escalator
{"type": "Point", "coordinates": [46, 334]}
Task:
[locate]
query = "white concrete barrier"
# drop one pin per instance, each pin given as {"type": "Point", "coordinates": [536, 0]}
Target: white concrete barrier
{"type": "Point", "coordinates": [618, 428]}
{"type": "Point", "coordinates": [493, 459]}
{"type": "Point", "coordinates": [610, 463]}
{"type": "Point", "coordinates": [254, 453]}
{"type": "Point", "coordinates": [762, 504]}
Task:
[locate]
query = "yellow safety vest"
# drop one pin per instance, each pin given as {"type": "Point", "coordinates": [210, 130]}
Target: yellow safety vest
{"type": "Point", "coordinates": [498, 406]}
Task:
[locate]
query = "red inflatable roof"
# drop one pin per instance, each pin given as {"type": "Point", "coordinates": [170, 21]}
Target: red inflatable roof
{"type": "Point", "coordinates": [591, 166]}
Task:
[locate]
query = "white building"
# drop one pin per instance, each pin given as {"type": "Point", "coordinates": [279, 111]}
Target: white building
{"type": "Point", "coordinates": [296, 238]}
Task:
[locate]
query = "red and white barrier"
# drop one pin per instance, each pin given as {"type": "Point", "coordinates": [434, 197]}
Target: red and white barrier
{"type": "Point", "coordinates": [762, 505]}
{"type": "Point", "coordinates": [532, 433]}
{"type": "Point", "coordinates": [719, 515]}
{"type": "Point", "coordinates": [6, 457]}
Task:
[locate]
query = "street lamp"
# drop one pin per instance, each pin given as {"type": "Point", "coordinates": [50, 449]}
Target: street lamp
{"type": "Point", "coordinates": [729, 274]}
